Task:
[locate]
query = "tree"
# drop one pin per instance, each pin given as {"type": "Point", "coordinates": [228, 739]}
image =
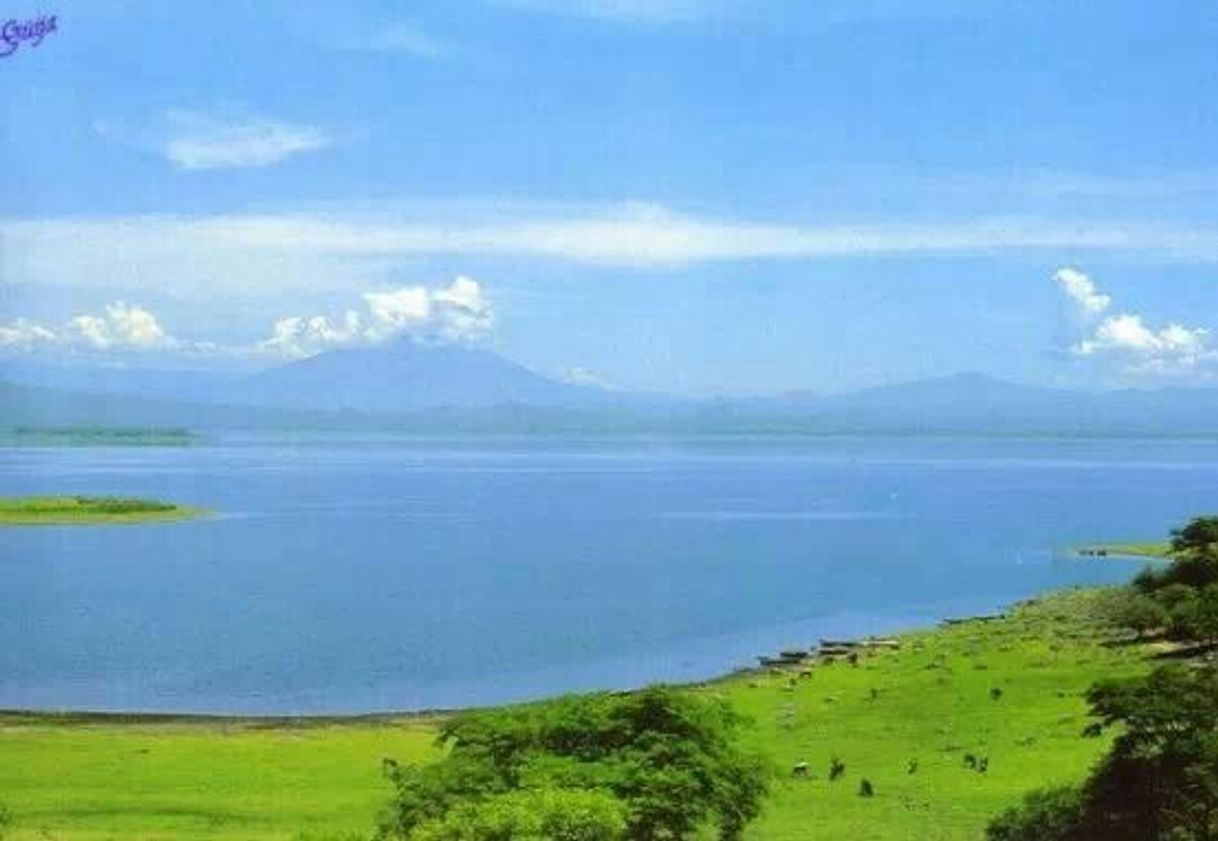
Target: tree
{"type": "Point", "coordinates": [1140, 613]}
{"type": "Point", "coordinates": [1049, 815]}
{"type": "Point", "coordinates": [669, 758]}
{"type": "Point", "coordinates": [531, 815]}
{"type": "Point", "coordinates": [1158, 783]}
{"type": "Point", "coordinates": [1200, 535]}
{"type": "Point", "coordinates": [1196, 617]}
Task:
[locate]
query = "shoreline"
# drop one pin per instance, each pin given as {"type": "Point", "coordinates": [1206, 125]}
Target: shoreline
{"type": "Point", "coordinates": [1011, 689]}
{"type": "Point", "coordinates": [15, 716]}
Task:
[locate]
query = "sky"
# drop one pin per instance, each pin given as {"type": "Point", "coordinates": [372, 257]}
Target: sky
{"type": "Point", "coordinates": [690, 196]}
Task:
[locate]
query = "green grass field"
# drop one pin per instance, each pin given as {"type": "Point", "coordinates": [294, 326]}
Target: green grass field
{"type": "Point", "coordinates": [95, 779]}
{"type": "Point", "coordinates": [198, 780]}
{"type": "Point", "coordinates": [88, 510]}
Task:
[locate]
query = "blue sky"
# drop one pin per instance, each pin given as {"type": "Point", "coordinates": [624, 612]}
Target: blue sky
{"type": "Point", "coordinates": [671, 195]}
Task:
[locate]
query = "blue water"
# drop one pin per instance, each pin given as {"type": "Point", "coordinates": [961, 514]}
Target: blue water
{"type": "Point", "coordinates": [358, 575]}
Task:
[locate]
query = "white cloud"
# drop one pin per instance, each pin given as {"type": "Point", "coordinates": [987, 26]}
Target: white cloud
{"type": "Point", "coordinates": [198, 141]}
{"type": "Point", "coordinates": [250, 256]}
{"type": "Point", "coordinates": [630, 11]}
{"type": "Point", "coordinates": [1170, 350]}
{"type": "Point", "coordinates": [26, 335]}
{"type": "Point", "coordinates": [1081, 290]}
{"type": "Point", "coordinates": [404, 38]}
{"type": "Point", "coordinates": [119, 327]}
{"type": "Point", "coordinates": [582, 376]}
{"type": "Point", "coordinates": [457, 312]}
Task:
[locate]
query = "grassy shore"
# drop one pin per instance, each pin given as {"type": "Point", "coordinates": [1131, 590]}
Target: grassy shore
{"type": "Point", "coordinates": [1153, 549]}
{"type": "Point", "coordinates": [88, 510]}
{"type": "Point", "coordinates": [1010, 690]}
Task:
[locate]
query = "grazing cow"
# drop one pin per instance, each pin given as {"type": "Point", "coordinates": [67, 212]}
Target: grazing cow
{"type": "Point", "coordinates": [836, 768]}
{"type": "Point", "coordinates": [970, 761]}
{"type": "Point", "coordinates": [911, 767]}
{"type": "Point", "coordinates": [800, 769]}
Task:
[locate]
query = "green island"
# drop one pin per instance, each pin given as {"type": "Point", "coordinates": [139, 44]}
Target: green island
{"type": "Point", "coordinates": [1148, 549]}
{"type": "Point", "coordinates": [89, 510]}
{"type": "Point", "coordinates": [96, 436]}
{"type": "Point", "coordinates": [1040, 723]}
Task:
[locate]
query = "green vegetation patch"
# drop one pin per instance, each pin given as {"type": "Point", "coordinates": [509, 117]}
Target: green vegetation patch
{"type": "Point", "coordinates": [96, 436]}
{"type": "Point", "coordinates": [140, 779]}
{"type": "Point", "coordinates": [1149, 549]}
{"type": "Point", "coordinates": [84, 510]}
{"type": "Point", "coordinates": [933, 739]}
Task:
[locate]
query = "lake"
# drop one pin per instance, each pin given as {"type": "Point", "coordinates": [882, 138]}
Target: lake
{"type": "Point", "coordinates": [360, 574]}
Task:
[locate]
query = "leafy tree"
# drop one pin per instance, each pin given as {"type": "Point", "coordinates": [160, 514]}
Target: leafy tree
{"type": "Point", "coordinates": [1196, 617]}
{"type": "Point", "coordinates": [1200, 535]}
{"type": "Point", "coordinates": [669, 758]}
{"type": "Point", "coordinates": [531, 815]}
{"type": "Point", "coordinates": [1159, 782]}
{"type": "Point", "coordinates": [1195, 547]}
{"type": "Point", "coordinates": [1140, 613]}
{"type": "Point", "coordinates": [1053, 814]}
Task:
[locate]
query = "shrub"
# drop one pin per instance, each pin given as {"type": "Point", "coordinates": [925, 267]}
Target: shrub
{"type": "Point", "coordinates": [1159, 782]}
{"type": "Point", "coordinates": [668, 758]}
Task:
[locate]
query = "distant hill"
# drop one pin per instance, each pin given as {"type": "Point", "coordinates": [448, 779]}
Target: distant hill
{"type": "Point", "coordinates": [448, 389]}
{"type": "Point", "coordinates": [405, 377]}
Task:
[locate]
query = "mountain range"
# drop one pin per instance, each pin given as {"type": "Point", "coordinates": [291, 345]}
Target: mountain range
{"type": "Point", "coordinates": [451, 388]}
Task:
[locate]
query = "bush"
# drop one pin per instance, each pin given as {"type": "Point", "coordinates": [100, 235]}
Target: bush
{"type": "Point", "coordinates": [669, 759]}
{"type": "Point", "coordinates": [549, 814]}
{"type": "Point", "coordinates": [1159, 782]}
{"type": "Point", "coordinates": [1140, 613]}
{"type": "Point", "coordinates": [1046, 815]}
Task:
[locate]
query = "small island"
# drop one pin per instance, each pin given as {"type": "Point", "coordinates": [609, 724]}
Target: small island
{"type": "Point", "coordinates": [97, 436]}
{"type": "Point", "coordinates": [89, 510]}
{"type": "Point", "coordinates": [1160, 550]}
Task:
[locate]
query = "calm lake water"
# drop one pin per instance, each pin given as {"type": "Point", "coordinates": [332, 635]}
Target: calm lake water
{"type": "Point", "coordinates": [358, 575]}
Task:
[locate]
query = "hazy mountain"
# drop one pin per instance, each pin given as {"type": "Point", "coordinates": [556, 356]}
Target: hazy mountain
{"type": "Point", "coordinates": [159, 383]}
{"type": "Point", "coordinates": [405, 377]}
{"type": "Point", "coordinates": [444, 388]}
{"type": "Point", "coordinates": [401, 377]}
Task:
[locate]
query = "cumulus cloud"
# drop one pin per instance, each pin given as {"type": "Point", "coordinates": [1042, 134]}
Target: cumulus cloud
{"type": "Point", "coordinates": [23, 334]}
{"type": "Point", "coordinates": [1172, 349]}
{"type": "Point", "coordinates": [456, 312]}
{"type": "Point", "coordinates": [199, 141]}
{"type": "Point", "coordinates": [119, 327]}
{"type": "Point", "coordinates": [1081, 290]}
